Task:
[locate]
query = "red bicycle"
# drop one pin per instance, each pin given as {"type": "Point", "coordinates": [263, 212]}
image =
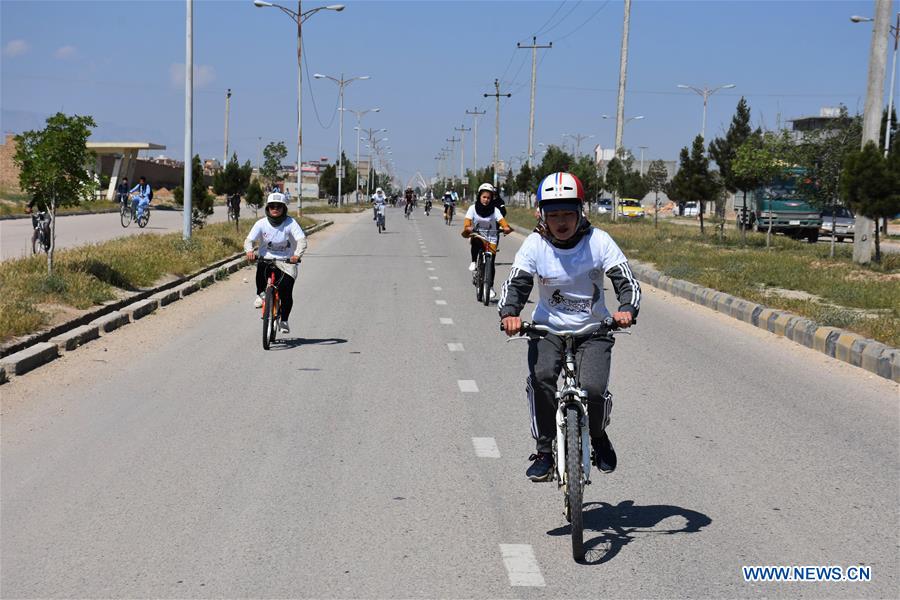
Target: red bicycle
{"type": "Point", "coordinates": [271, 308]}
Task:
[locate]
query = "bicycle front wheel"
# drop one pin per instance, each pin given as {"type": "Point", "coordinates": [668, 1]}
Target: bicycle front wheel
{"type": "Point", "coordinates": [125, 216]}
{"type": "Point", "coordinates": [479, 277]}
{"type": "Point", "coordinates": [574, 481]}
{"type": "Point", "coordinates": [488, 279]}
{"type": "Point", "coordinates": [144, 218]}
{"type": "Point", "coordinates": [267, 315]}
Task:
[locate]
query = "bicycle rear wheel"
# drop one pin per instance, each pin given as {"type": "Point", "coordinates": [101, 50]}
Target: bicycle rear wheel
{"type": "Point", "coordinates": [125, 216]}
{"type": "Point", "coordinates": [267, 315]}
{"type": "Point", "coordinates": [144, 218]}
{"type": "Point", "coordinates": [487, 278]}
{"type": "Point", "coordinates": [574, 481]}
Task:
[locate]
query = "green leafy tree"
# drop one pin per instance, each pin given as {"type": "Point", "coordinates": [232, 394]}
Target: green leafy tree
{"type": "Point", "coordinates": [328, 180]}
{"type": "Point", "coordinates": [586, 170]}
{"type": "Point", "coordinates": [656, 181]}
{"type": "Point", "coordinates": [201, 199]}
{"type": "Point", "coordinates": [821, 154]}
{"type": "Point", "coordinates": [525, 180]}
{"type": "Point", "coordinates": [870, 184]}
{"type": "Point", "coordinates": [234, 179]}
{"type": "Point", "coordinates": [694, 182]}
{"type": "Point", "coordinates": [724, 151]}
{"type": "Point", "coordinates": [895, 128]}
{"type": "Point", "coordinates": [615, 177]}
{"type": "Point", "coordinates": [761, 159]}
{"type": "Point", "coordinates": [554, 160]}
{"type": "Point", "coordinates": [254, 195]}
{"type": "Point", "coordinates": [52, 167]}
{"type": "Point", "coordinates": [273, 157]}
{"type": "Point", "coordinates": [510, 183]}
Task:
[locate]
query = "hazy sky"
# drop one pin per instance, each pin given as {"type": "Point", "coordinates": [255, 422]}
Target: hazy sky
{"type": "Point", "coordinates": [121, 62]}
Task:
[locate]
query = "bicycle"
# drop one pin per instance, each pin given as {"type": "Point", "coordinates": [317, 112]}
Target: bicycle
{"type": "Point", "coordinates": [572, 446]}
{"type": "Point", "coordinates": [271, 308]}
{"type": "Point", "coordinates": [408, 210]}
{"type": "Point", "coordinates": [427, 208]}
{"type": "Point", "coordinates": [483, 277]}
{"type": "Point", "coordinates": [448, 214]}
{"type": "Point", "coordinates": [128, 213]}
{"type": "Point", "coordinates": [40, 239]}
{"type": "Point", "coordinates": [379, 218]}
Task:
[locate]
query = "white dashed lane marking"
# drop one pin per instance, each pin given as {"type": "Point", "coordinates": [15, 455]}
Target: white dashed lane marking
{"type": "Point", "coordinates": [467, 386]}
{"type": "Point", "coordinates": [431, 268]}
{"type": "Point", "coordinates": [428, 262]}
{"type": "Point", "coordinates": [437, 288]}
{"type": "Point", "coordinates": [486, 447]}
{"type": "Point", "coordinates": [455, 347]}
{"type": "Point", "coordinates": [441, 302]}
{"type": "Point", "coordinates": [446, 321]}
{"type": "Point", "coordinates": [521, 566]}
{"type": "Point", "coordinates": [433, 278]}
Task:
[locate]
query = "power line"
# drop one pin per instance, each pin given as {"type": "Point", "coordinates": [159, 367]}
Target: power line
{"type": "Point", "coordinates": [585, 22]}
{"type": "Point", "coordinates": [541, 28]}
{"type": "Point", "coordinates": [313, 96]}
{"type": "Point", "coordinates": [562, 20]}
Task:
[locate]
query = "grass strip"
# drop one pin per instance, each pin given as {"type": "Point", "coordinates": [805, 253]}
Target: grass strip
{"type": "Point", "coordinates": [89, 275]}
{"type": "Point", "coordinates": [318, 209]}
{"type": "Point", "coordinates": [792, 275]}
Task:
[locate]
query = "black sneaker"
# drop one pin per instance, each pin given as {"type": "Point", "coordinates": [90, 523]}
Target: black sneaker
{"type": "Point", "coordinates": [541, 468]}
{"type": "Point", "coordinates": [604, 454]}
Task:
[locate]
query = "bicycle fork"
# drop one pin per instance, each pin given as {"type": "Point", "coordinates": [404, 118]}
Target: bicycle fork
{"type": "Point", "coordinates": [572, 396]}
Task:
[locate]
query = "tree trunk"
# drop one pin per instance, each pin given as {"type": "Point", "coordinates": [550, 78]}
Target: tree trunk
{"type": "Point", "coordinates": [745, 220]}
{"type": "Point", "coordinates": [52, 235]}
{"type": "Point", "coordinates": [700, 203]}
{"type": "Point", "coordinates": [833, 231]}
{"type": "Point", "coordinates": [656, 213]}
{"type": "Point", "coordinates": [769, 229]}
{"type": "Point", "coordinates": [877, 242]}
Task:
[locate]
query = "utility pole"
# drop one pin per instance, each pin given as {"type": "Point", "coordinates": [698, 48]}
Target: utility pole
{"type": "Point", "coordinates": [642, 159]}
{"type": "Point", "coordinates": [475, 114]}
{"type": "Point", "coordinates": [452, 141]}
{"type": "Point", "coordinates": [188, 118]}
{"type": "Point", "coordinates": [863, 244]}
{"type": "Point", "coordinates": [534, 48]}
{"type": "Point", "coordinates": [620, 109]}
{"type": "Point", "coordinates": [497, 95]}
{"type": "Point", "coordinates": [462, 129]}
{"type": "Point", "coordinates": [227, 109]}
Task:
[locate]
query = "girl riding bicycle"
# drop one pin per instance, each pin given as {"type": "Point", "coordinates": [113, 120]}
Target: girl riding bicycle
{"type": "Point", "coordinates": [487, 220]}
{"type": "Point", "coordinates": [279, 236]}
{"type": "Point", "coordinates": [569, 257]}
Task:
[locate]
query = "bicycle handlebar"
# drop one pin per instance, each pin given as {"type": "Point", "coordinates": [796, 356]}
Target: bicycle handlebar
{"type": "Point", "coordinates": [535, 329]}
{"type": "Point", "coordinates": [257, 258]}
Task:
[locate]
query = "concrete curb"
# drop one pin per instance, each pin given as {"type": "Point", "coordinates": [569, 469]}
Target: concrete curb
{"type": "Point", "coordinates": [843, 345]}
{"type": "Point", "coordinates": [71, 335]}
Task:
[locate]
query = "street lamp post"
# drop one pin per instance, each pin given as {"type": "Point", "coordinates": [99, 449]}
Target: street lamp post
{"type": "Point", "coordinates": [578, 137]}
{"type": "Point", "coordinates": [299, 18]}
{"type": "Point", "coordinates": [359, 115]}
{"type": "Point", "coordinates": [895, 33]}
{"type": "Point", "coordinates": [706, 92]}
{"type": "Point", "coordinates": [341, 83]}
{"type": "Point", "coordinates": [642, 159]}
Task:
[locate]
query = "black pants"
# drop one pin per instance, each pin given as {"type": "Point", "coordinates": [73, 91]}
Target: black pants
{"type": "Point", "coordinates": [285, 285]}
{"type": "Point", "coordinates": [545, 361]}
{"type": "Point", "coordinates": [476, 247]}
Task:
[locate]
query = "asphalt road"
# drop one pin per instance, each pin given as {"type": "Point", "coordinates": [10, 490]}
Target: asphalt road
{"type": "Point", "coordinates": [76, 230]}
{"type": "Point", "coordinates": [176, 458]}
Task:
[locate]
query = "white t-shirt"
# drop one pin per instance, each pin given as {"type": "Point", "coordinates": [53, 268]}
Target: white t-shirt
{"type": "Point", "coordinates": [569, 282]}
{"type": "Point", "coordinates": [487, 226]}
{"type": "Point", "coordinates": [283, 241]}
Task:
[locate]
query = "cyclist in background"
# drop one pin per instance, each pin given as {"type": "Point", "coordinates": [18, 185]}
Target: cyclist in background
{"type": "Point", "coordinates": [449, 203]}
{"type": "Point", "coordinates": [378, 198]}
{"type": "Point", "coordinates": [142, 194]}
{"type": "Point", "coordinates": [569, 257]}
{"type": "Point", "coordinates": [486, 220]}
{"type": "Point", "coordinates": [279, 236]}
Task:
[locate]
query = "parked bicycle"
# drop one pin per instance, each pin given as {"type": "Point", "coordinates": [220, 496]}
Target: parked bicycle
{"type": "Point", "coordinates": [40, 238]}
{"type": "Point", "coordinates": [271, 308]}
{"type": "Point", "coordinates": [128, 213]}
{"type": "Point", "coordinates": [572, 447]}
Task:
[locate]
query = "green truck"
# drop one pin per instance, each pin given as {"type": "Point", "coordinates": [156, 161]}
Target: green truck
{"type": "Point", "coordinates": [780, 203]}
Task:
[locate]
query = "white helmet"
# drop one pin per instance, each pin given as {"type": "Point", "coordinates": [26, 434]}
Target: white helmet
{"type": "Point", "coordinates": [486, 187]}
{"type": "Point", "coordinates": [276, 198]}
{"type": "Point", "coordinates": [560, 189]}
{"type": "Point", "coordinates": [379, 191]}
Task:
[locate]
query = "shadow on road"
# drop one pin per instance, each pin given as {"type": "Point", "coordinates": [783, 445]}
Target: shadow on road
{"type": "Point", "coordinates": [288, 343]}
{"type": "Point", "coordinates": [625, 523]}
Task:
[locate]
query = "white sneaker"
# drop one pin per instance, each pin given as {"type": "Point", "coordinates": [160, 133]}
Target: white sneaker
{"type": "Point", "coordinates": [493, 295]}
{"type": "Point", "coordinates": [472, 266]}
{"type": "Point", "coordinates": [285, 328]}
{"type": "Point", "coordinates": [258, 302]}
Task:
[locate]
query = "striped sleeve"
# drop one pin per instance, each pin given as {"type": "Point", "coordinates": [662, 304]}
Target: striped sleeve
{"type": "Point", "coordinates": [514, 293]}
{"type": "Point", "coordinates": [627, 288]}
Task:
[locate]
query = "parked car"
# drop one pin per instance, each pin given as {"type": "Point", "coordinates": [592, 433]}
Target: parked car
{"type": "Point", "coordinates": [844, 223]}
{"type": "Point", "coordinates": [604, 206]}
{"type": "Point", "coordinates": [631, 208]}
{"type": "Point", "coordinates": [691, 209]}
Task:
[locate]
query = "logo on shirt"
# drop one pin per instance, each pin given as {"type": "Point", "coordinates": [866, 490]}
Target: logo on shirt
{"type": "Point", "coordinates": [557, 300]}
{"type": "Point", "coordinates": [595, 274]}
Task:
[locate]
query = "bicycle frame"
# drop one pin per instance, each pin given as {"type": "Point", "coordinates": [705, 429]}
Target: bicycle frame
{"type": "Point", "coordinates": [571, 394]}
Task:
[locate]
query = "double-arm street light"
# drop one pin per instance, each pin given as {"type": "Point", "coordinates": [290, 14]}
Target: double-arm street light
{"type": "Point", "coordinates": [895, 33]}
{"type": "Point", "coordinates": [341, 83]}
{"type": "Point", "coordinates": [359, 115]}
{"type": "Point", "coordinates": [706, 92]}
{"type": "Point", "coordinates": [299, 17]}
{"type": "Point", "coordinates": [578, 137]}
